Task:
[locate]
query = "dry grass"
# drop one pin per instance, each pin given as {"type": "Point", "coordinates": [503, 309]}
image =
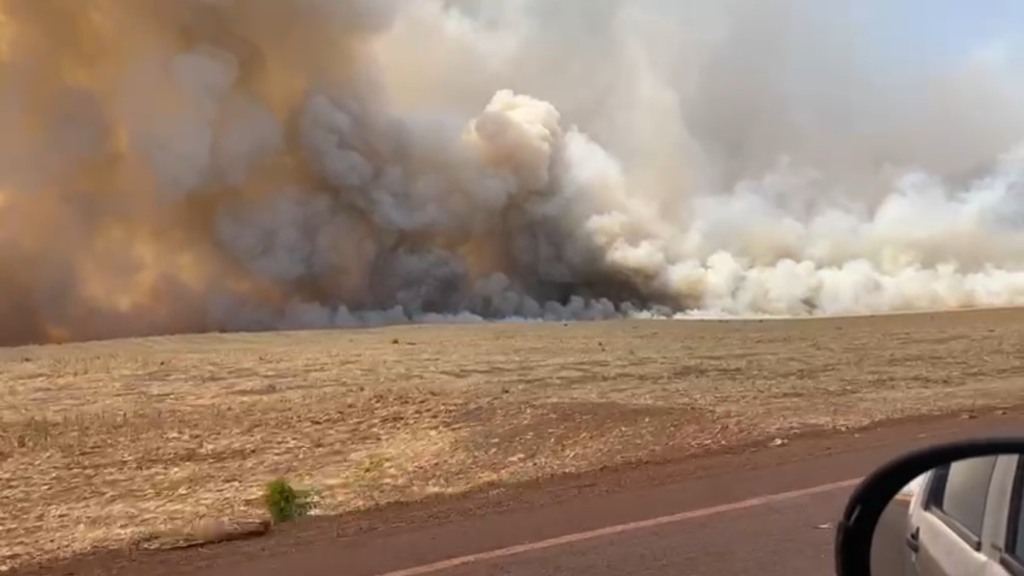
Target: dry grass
{"type": "Point", "coordinates": [101, 443]}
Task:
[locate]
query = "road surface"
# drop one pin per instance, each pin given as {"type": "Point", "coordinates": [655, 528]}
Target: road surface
{"type": "Point", "coordinates": [767, 511]}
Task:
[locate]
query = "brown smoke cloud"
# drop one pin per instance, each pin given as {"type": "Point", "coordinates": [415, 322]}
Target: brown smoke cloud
{"type": "Point", "coordinates": [129, 128]}
{"type": "Point", "coordinates": [204, 165]}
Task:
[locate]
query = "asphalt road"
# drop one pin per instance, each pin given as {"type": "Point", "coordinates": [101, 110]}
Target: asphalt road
{"type": "Point", "coordinates": [791, 537]}
{"type": "Point", "coordinates": [770, 511]}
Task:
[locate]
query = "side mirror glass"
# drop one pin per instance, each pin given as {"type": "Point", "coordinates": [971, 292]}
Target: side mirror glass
{"type": "Point", "coordinates": [951, 509]}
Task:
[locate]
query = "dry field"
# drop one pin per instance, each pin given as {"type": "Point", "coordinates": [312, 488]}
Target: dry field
{"type": "Point", "coordinates": [103, 442]}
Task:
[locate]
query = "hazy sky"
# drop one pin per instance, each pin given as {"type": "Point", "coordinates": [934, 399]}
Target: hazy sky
{"type": "Point", "coordinates": [933, 31]}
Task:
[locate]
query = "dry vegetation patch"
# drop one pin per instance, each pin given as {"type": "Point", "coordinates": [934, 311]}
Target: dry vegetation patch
{"type": "Point", "coordinates": [103, 443]}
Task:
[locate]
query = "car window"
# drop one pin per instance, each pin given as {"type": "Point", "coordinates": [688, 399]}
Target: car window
{"type": "Point", "coordinates": [960, 491]}
{"type": "Point", "coordinates": [1018, 537]}
{"type": "Point", "coordinates": [1015, 521]}
{"type": "Point", "coordinates": [1012, 558]}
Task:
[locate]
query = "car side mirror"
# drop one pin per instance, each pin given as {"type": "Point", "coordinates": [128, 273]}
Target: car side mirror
{"type": "Point", "coordinates": [915, 514]}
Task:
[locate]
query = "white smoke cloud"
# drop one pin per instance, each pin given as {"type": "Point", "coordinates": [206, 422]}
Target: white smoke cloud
{"type": "Point", "coordinates": [273, 164]}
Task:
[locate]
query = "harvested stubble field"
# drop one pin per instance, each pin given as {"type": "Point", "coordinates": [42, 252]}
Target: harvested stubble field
{"type": "Point", "coordinates": [103, 442]}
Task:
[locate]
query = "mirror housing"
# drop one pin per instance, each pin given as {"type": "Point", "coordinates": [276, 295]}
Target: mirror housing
{"type": "Point", "coordinates": [855, 530]}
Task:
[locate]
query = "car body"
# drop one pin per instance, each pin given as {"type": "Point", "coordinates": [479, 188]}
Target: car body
{"type": "Point", "coordinates": [965, 519]}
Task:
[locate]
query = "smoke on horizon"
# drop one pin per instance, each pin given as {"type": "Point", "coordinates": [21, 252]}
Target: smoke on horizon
{"type": "Point", "coordinates": [206, 165]}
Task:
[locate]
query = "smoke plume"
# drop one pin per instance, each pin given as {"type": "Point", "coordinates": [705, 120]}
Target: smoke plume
{"type": "Point", "coordinates": [205, 165]}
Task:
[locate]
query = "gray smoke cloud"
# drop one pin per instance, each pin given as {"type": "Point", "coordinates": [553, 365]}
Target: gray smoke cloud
{"type": "Point", "coordinates": [268, 164]}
